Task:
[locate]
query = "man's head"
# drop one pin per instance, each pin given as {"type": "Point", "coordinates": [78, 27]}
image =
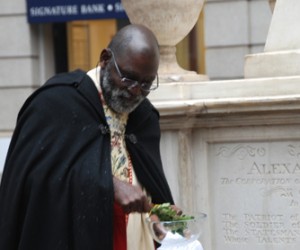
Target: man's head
{"type": "Point", "coordinates": [132, 54]}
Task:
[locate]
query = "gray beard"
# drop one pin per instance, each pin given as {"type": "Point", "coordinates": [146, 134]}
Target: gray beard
{"type": "Point", "coordinates": [116, 98]}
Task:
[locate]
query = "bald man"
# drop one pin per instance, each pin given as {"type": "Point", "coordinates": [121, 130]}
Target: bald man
{"type": "Point", "coordinates": [84, 162]}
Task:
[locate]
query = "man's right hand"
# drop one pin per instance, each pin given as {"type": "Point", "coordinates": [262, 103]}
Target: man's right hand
{"type": "Point", "coordinates": [131, 198]}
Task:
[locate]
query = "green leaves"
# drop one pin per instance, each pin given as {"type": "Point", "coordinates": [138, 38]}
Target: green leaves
{"type": "Point", "coordinates": [166, 213]}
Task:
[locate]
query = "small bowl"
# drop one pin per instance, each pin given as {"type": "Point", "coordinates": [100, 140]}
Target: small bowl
{"type": "Point", "coordinates": [176, 232]}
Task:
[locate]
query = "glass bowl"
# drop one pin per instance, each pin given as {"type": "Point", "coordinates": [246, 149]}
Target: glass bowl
{"type": "Point", "coordinates": [176, 232]}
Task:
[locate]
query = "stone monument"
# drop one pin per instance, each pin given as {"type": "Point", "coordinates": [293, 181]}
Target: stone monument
{"type": "Point", "coordinates": [231, 148]}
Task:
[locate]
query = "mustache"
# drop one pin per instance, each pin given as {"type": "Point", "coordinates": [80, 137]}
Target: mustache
{"type": "Point", "coordinates": [118, 99]}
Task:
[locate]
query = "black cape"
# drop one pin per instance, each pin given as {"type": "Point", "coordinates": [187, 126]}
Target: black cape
{"type": "Point", "coordinates": [56, 191]}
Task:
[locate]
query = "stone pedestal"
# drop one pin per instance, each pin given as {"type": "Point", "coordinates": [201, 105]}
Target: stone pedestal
{"type": "Point", "coordinates": [281, 55]}
{"type": "Point", "coordinates": [231, 149]}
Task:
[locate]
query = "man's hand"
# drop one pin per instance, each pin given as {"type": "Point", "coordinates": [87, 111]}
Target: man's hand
{"type": "Point", "coordinates": [130, 198]}
{"type": "Point", "coordinates": [176, 209]}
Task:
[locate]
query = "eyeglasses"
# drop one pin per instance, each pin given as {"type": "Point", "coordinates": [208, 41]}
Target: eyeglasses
{"type": "Point", "coordinates": [129, 83]}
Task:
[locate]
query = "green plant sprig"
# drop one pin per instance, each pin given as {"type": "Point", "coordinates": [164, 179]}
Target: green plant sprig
{"type": "Point", "coordinates": [165, 213]}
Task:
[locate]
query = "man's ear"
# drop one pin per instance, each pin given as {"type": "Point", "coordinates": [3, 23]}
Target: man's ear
{"type": "Point", "coordinates": [104, 58]}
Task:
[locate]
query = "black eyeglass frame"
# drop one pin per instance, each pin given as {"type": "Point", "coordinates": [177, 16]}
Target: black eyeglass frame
{"type": "Point", "coordinates": [129, 83]}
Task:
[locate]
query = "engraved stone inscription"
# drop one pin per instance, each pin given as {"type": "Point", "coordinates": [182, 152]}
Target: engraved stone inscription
{"type": "Point", "coordinates": [255, 195]}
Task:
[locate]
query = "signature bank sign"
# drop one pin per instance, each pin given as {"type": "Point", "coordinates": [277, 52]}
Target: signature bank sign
{"type": "Point", "coordinates": [43, 11]}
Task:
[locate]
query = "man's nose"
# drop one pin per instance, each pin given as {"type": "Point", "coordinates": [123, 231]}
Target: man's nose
{"type": "Point", "coordinates": [135, 89]}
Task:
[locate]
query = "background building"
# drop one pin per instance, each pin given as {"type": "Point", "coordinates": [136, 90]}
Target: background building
{"type": "Point", "coordinates": [30, 53]}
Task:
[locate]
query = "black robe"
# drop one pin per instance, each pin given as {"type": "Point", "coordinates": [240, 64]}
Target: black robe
{"type": "Point", "coordinates": [56, 191]}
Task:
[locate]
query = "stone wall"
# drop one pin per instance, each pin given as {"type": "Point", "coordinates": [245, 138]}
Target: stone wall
{"type": "Point", "coordinates": [26, 60]}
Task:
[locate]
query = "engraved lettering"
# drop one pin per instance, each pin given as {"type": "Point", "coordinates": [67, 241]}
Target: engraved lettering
{"type": "Point", "coordinates": [274, 169]}
{"type": "Point", "coordinates": [257, 200]}
{"type": "Point", "coordinates": [226, 181]}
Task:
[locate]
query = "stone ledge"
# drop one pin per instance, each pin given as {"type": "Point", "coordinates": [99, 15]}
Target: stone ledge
{"type": "Point", "coordinates": [229, 103]}
{"type": "Point", "coordinates": [230, 113]}
{"type": "Point", "coordinates": [270, 64]}
{"type": "Point", "coordinates": [260, 87]}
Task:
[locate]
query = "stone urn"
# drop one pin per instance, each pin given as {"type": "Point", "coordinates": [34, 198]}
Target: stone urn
{"type": "Point", "coordinates": [272, 4]}
{"type": "Point", "coordinates": [171, 21]}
